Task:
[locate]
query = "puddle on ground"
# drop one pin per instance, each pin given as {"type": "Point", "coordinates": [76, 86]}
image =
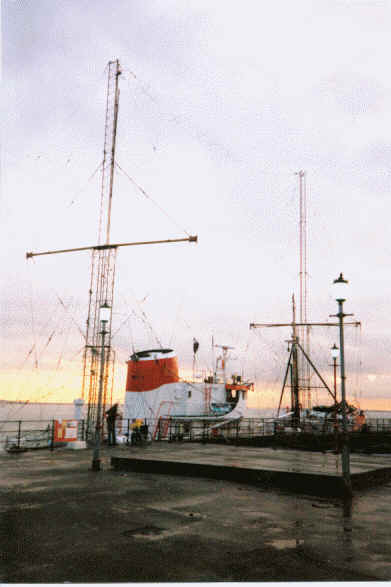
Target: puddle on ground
{"type": "Point", "coordinates": [21, 506]}
{"type": "Point", "coordinates": [32, 488]}
{"type": "Point", "coordinates": [144, 531]}
{"type": "Point", "coordinates": [195, 516]}
{"type": "Point", "coordinates": [152, 533]}
{"type": "Point", "coordinates": [286, 543]}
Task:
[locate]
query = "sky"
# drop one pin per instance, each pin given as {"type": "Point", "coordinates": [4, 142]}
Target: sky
{"type": "Point", "coordinates": [221, 104]}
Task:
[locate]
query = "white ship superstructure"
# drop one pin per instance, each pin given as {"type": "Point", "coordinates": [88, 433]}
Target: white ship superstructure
{"type": "Point", "coordinates": [154, 390]}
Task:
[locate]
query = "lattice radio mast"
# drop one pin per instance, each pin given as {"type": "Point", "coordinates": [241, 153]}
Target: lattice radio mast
{"type": "Point", "coordinates": [304, 375]}
{"type": "Point", "coordinates": [301, 370]}
{"type": "Point", "coordinates": [103, 258]}
{"type": "Point", "coordinates": [102, 261]}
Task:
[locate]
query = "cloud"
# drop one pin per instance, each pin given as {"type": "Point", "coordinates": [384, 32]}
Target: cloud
{"type": "Point", "coordinates": [229, 100]}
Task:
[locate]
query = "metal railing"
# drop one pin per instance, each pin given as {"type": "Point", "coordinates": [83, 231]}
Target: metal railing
{"type": "Point", "coordinates": [175, 429]}
{"type": "Point", "coordinates": [378, 424]}
{"type": "Point", "coordinates": [34, 434]}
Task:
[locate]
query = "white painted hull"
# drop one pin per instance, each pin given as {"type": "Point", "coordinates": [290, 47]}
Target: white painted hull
{"type": "Point", "coordinates": [183, 399]}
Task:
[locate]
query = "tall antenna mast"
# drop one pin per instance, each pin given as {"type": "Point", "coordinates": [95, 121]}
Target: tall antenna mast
{"type": "Point", "coordinates": [304, 331]}
{"type": "Point", "coordinates": [103, 257]}
{"type": "Point", "coordinates": [102, 260]}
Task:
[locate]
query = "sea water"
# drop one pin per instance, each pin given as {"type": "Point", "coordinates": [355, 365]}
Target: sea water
{"type": "Point", "coordinates": [63, 411]}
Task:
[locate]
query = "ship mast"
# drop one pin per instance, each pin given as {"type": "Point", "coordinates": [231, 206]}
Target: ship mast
{"type": "Point", "coordinates": [299, 362]}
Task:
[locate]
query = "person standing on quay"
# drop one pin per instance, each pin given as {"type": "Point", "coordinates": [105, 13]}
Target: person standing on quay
{"type": "Point", "coordinates": [111, 416]}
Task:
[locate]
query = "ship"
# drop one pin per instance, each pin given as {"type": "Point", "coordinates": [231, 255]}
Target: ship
{"type": "Point", "coordinates": [156, 394]}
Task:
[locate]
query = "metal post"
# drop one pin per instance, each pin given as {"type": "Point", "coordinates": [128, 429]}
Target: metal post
{"type": "Point", "coordinates": [96, 456]}
{"type": "Point", "coordinates": [335, 414]}
{"type": "Point", "coordinates": [295, 384]}
{"type": "Point", "coordinates": [52, 438]}
{"type": "Point", "coordinates": [295, 370]}
{"type": "Point", "coordinates": [19, 432]}
{"type": "Point", "coordinates": [345, 444]}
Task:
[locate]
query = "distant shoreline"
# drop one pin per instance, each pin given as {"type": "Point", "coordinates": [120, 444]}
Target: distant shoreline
{"type": "Point", "coordinates": [18, 402]}
{"type": "Point", "coordinates": [4, 402]}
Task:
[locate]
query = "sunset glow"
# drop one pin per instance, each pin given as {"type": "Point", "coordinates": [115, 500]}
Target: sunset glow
{"type": "Point", "coordinates": [52, 386]}
{"type": "Point", "coordinates": [215, 140]}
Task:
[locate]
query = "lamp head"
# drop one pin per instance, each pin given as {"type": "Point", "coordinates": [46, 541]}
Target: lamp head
{"type": "Point", "coordinates": [340, 284]}
{"type": "Point", "coordinates": [104, 313]}
{"type": "Point", "coordinates": [334, 351]}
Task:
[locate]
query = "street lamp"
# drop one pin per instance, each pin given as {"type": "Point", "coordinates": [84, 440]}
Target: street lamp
{"type": "Point", "coordinates": [104, 317]}
{"type": "Point", "coordinates": [334, 354]}
{"type": "Point", "coordinates": [340, 284]}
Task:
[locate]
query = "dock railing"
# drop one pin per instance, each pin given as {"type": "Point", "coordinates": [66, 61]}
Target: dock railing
{"type": "Point", "coordinates": [18, 435]}
{"type": "Point", "coordinates": [34, 434]}
{"type": "Point", "coordinates": [176, 429]}
{"type": "Point", "coordinates": [172, 429]}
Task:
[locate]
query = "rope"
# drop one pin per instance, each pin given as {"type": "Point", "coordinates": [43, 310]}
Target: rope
{"type": "Point", "coordinates": [33, 324]}
{"type": "Point", "coordinates": [201, 136]}
{"type": "Point", "coordinates": [67, 127]}
{"type": "Point", "coordinates": [27, 357]}
{"type": "Point", "coordinates": [176, 320]}
{"type": "Point", "coordinates": [35, 346]}
{"type": "Point", "coordinates": [148, 197]}
{"type": "Point", "coordinates": [121, 325]}
{"type": "Point", "coordinates": [144, 319]}
{"type": "Point", "coordinates": [71, 317]}
{"type": "Point", "coordinates": [47, 343]}
{"type": "Point", "coordinates": [79, 192]}
{"type": "Point", "coordinates": [42, 387]}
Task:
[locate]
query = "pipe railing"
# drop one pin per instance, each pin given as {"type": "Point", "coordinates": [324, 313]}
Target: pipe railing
{"type": "Point", "coordinates": [29, 434]}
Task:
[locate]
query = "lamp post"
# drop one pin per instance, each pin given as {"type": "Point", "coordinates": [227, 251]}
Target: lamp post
{"type": "Point", "coordinates": [104, 317]}
{"type": "Point", "coordinates": [340, 283]}
{"type": "Point", "coordinates": [334, 354]}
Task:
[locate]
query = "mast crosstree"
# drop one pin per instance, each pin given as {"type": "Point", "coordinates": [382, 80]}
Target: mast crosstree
{"type": "Point", "coordinates": [292, 365]}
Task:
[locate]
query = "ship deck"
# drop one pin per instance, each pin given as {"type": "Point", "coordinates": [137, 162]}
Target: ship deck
{"type": "Point", "coordinates": [302, 471]}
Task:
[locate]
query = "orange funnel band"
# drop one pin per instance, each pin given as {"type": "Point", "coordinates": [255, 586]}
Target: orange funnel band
{"type": "Point", "coordinates": [146, 375]}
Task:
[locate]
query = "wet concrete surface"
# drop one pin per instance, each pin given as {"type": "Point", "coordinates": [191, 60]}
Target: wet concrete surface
{"type": "Point", "coordinates": [326, 463]}
{"type": "Point", "coordinates": [62, 522]}
{"type": "Point", "coordinates": [309, 472]}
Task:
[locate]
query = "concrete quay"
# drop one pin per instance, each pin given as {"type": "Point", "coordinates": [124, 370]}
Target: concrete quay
{"type": "Point", "coordinates": [62, 522]}
{"type": "Point", "coordinates": [307, 472]}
